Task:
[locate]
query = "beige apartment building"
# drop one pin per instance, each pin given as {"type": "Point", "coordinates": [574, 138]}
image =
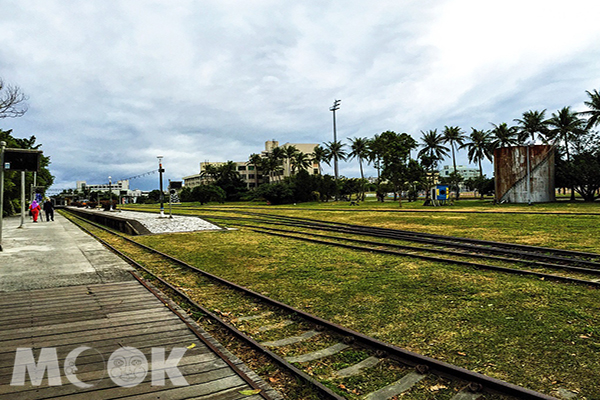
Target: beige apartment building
{"type": "Point", "coordinates": [248, 171]}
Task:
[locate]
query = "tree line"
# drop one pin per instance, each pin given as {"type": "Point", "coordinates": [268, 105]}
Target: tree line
{"type": "Point", "coordinates": [13, 103]}
{"type": "Point", "coordinates": [569, 132]}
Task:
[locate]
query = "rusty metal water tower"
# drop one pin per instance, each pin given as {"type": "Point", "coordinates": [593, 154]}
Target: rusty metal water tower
{"type": "Point", "coordinates": [524, 174]}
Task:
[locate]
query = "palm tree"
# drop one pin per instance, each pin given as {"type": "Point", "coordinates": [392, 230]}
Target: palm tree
{"type": "Point", "coordinates": [335, 151]}
{"type": "Point", "coordinates": [289, 153]}
{"type": "Point", "coordinates": [504, 135]}
{"type": "Point", "coordinates": [271, 167]}
{"type": "Point", "coordinates": [479, 147]}
{"type": "Point", "coordinates": [433, 147]}
{"type": "Point", "coordinates": [359, 149]}
{"type": "Point", "coordinates": [532, 123]}
{"type": "Point", "coordinates": [227, 171]}
{"type": "Point", "coordinates": [565, 126]}
{"type": "Point", "coordinates": [454, 136]}
{"type": "Point", "coordinates": [256, 160]}
{"type": "Point", "coordinates": [276, 157]}
{"type": "Point", "coordinates": [300, 161]}
{"type": "Point", "coordinates": [432, 152]}
{"type": "Point", "coordinates": [376, 148]}
{"type": "Point", "coordinates": [318, 156]}
{"type": "Point", "coordinates": [209, 173]}
{"type": "Point", "coordinates": [594, 112]}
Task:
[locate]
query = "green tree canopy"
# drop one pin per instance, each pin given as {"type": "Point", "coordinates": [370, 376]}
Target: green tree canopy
{"type": "Point", "coordinates": [12, 179]}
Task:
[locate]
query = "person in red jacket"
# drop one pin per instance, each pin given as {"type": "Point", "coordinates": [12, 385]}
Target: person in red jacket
{"type": "Point", "coordinates": [35, 210]}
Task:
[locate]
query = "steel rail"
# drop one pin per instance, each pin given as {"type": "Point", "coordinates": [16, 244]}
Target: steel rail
{"type": "Point", "coordinates": [480, 251]}
{"type": "Point", "coordinates": [191, 327]}
{"type": "Point", "coordinates": [476, 244]}
{"type": "Point", "coordinates": [536, 249]}
{"type": "Point", "coordinates": [420, 362]}
{"type": "Point", "coordinates": [392, 210]}
{"type": "Point", "coordinates": [448, 252]}
{"type": "Point", "coordinates": [437, 259]}
{"type": "Point", "coordinates": [323, 390]}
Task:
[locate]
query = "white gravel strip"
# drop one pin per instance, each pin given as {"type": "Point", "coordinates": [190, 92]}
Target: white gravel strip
{"type": "Point", "coordinates": [168, 225]}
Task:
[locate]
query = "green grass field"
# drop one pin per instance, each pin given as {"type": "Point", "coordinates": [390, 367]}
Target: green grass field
{"type": "Point", "coordinates": [539, 334]}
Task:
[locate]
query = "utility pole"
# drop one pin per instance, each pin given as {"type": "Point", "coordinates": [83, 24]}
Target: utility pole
{"type": "Point", "coordinates": [162, 197]}
{"type": "Point", "coordinates": [109, 193]}
{"type": "Point", "coordinates": [334, 108]}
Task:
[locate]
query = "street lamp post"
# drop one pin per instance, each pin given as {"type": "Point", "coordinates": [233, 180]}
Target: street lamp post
{"type": "Point", "coordinates": [162, 197]}
{"type": "Point", "coordinates": [109, 194]}
{"type": "Point", "coordinates": [334, 108]}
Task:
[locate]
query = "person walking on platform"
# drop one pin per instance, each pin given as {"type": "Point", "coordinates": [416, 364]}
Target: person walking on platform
{"type": "Point", "coordinates": [49, 209]}
{"type": "Point", "coordinates": [35, 210]}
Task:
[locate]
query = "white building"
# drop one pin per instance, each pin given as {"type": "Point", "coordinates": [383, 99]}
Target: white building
{"type": "Point", "coordinates": [120, 188]}
{"type": "Point", "coordinates": [248, 171]}
{"type": "Point", "coordinates": [465, 172]}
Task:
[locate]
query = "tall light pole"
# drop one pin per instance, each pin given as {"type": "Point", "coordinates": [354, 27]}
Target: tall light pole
{"type": "Point", "coordinates": [334, 108]}
{"type": "Point", "coordinates": [2, 147]}
{"type": "Point", "coordinates": [162, 197]}
{"type": "Point", "coordinates": [109, 194]}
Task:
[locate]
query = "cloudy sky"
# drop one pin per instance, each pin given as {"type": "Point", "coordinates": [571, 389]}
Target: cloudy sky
{"type": "Point", "coordinates": [112, 84]}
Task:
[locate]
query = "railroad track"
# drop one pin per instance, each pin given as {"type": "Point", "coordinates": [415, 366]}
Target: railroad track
{"type": "Point", "coordinates": [302, 343]}
{"type": "Point", "coordinates": [542, 262]}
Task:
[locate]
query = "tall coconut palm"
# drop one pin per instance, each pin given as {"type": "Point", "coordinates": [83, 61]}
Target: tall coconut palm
{"type": "Point", "coordinates": [275, 163]}
{"type": "Point", "coordinates": [359, 149]}
{"type": "Point", "coordinates": [594, 112]}
{"type": "Point", "coordinates": [271, 167]}
{"type": "Point", "coordinates": [318, 156]}
{"type": "Point", "coordinates": [532, 123]}
{"type": "Point", "coordinates": [504, 135]}
{"type": "Point", "coordinates": [565, 126]}
{"type": "Point", "coordinates": [376, 148]}
{"type": "Point", "coordinates": [335, 152]}
{"type": "Point", "coordinates": [454, 136]}
{"type": "Point", "coordinates": [256, 160]}
{"type": "Point", "coordinates": [478, 147]}
{"type": "Point", "coordinates": [432, 152]}
{"type": "Point", "coordinates": [289, 153]}
{"type": "Point", "coordinates": [433, 146]}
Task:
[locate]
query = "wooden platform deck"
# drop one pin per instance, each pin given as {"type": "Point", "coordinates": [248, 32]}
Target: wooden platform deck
{"type": "Point", "coordinates": [106, 318]}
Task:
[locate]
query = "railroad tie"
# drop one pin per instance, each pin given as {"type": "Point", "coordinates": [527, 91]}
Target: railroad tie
{"type": "Point", "coordinates": [466, 395]}
{"type": "Point", "coordinates": [278, 325]}
{"type": "Point", "coordinates": [291, 339]}
{"type": "Point", "coordinates": [356, 369]}
{"type": "Point", "coordinates": [397, 387]}
{"type": "Point", "coordinates": [253, 317]}
{"type": "Point", "coordinates": [315, 355]}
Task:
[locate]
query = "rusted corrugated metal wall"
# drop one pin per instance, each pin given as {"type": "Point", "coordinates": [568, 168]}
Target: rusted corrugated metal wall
{"type": "Point", "coordinates": [510, 172]}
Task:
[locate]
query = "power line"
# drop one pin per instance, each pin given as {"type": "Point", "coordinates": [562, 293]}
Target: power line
{"type": "Point", "coordinates": [140, 175]}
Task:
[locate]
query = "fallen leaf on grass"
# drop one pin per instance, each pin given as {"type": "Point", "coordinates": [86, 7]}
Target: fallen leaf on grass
{"type": "Point", "coordinates": [249, 392]}
{"type": "Point", "coordinates": [460, 353]}
{"type": "Point", "coordinates": [435, 388]}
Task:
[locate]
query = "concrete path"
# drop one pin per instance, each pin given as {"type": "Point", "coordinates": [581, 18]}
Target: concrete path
{"type": "Point", "coordinates": [54, 254]}
{"type": "Point", "coordinates": [66, 296]}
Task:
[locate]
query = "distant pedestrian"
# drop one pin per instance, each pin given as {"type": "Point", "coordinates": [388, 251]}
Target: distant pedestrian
{"type": "Point", "coordinates": [49, 209]}
{"type": "Point", "coordinates": [35, 210]}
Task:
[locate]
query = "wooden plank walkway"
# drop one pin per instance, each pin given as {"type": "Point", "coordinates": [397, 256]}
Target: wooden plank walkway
{"type": "Point", "coordinates": [106, 318]}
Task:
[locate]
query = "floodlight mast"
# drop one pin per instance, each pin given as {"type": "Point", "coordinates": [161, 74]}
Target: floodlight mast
{"type": "Point", "coordinates": [334, 108]}
{"type": "Point", "coordinates": [2, 147]}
